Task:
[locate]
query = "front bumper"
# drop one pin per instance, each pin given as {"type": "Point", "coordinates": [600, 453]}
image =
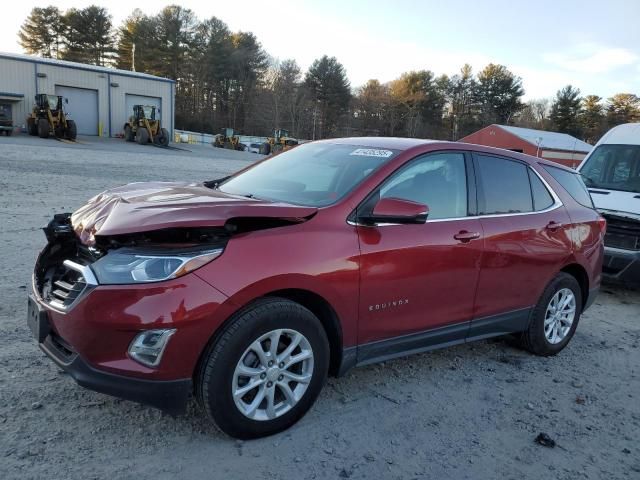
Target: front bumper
{"type": "Point", "coordinates": [168, 395]}
{"type": "Point", "coordinates": [90, 341]}
{"type": "Point", "coordinates": [621, 266]}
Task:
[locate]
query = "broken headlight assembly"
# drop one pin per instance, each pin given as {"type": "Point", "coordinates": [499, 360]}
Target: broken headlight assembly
{"type": "Point", "coordinates": [131, 265]}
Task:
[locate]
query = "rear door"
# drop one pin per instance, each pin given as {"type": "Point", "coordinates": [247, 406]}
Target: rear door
{"type": "Point", "coordinates": [527, 241]}
{"type": "Point", "coordinates": [417, 278]}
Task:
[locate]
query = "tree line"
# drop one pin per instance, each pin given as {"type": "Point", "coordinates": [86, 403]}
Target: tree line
{"type": "Point", "coordinates": [226, 79]}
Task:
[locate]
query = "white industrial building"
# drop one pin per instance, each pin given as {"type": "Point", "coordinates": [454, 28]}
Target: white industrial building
{"type": "Point", "coordinates": [99, 99]}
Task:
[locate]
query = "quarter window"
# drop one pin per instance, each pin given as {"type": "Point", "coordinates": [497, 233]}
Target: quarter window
{"type": "Point", "coordinates": [437, 180]}
{"type": "Point", "coordinates": [505, 186]}
{"type": "Point", "coordinates": [572, 183]}
{"type": "Point", "coordinates": [542, 199]}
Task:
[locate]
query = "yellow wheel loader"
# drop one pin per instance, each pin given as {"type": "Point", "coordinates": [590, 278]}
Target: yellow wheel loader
{"type": "Point", "coordinates": [228, 139]}
{"type": "Point", "coordinates": [49, 118]}
{"type": "Point", "coordinates": [143, 127]}
{"type": "Point", "coordinates": [279, 142]}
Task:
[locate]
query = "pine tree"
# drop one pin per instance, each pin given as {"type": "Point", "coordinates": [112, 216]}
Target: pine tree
{"type": "Point", "coordinates": [42, 32]}
{"type": "Point", "coordinates": [499, 93]}
{"type": "Point", "coordinates": [565, 111]}
{"type": "Point", "coordinates": [592, 118]}
{"type": "Point", "coordinates": [330, 91]}
{"type": "Point", "coordinates": [623, 108]}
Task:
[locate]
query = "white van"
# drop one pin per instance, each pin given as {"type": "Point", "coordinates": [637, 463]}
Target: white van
{"type": "Point", "coordinates": [611, 172]}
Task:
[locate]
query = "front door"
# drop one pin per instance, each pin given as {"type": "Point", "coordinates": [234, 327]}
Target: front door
{"type": "Point", "coordinates": [416, 278]}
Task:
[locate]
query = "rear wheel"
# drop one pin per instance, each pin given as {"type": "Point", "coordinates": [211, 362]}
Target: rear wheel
{"type": "Point", "coordinates": [43, 128]}
{"type": "Point", "coordinates": [128, 134]}
{"type": "Point", "coordinates": [142, 137]}
{"type": "Point", "coordinates": [555, 317]}
{"type": "Point", "coordinates": [265, 370]}
{"type": "Point", "coordinates": [163, 137]}
{"type": "Point", "coordinates": [72, 130]}
{"type": "Point", "coordinates": [9, 132]}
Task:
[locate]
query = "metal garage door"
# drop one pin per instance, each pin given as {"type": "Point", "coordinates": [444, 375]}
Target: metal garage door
{"type": "Point", "coordinates": [131, 100]}
{"type": "Point", "coordinates": [82, 108]}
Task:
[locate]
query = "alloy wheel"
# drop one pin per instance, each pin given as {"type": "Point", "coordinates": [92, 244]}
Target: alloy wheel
{"type": "Point", "coordinates": [272, 374]}
{"type": "Point", "coordinates": [559, 316]}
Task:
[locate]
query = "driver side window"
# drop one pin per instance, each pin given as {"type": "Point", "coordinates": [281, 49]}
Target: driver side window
{"type": "Point", "coordinates": [437, 180]}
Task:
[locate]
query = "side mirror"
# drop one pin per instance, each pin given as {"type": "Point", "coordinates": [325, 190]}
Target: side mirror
{"type": "Point", "coordinates": [66, 100]}
{"type": "Point", "coordinates": [397, 210]}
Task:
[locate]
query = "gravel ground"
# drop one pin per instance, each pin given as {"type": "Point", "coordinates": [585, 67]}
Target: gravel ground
{"type": "Point", "coordinates": [472, 411]}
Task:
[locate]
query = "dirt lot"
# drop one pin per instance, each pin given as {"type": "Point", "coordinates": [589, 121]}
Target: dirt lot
{"type": "Point", "coordinates": [472, 411]}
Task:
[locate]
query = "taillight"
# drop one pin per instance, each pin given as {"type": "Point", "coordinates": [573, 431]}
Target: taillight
{"type": "Point", "coordinates": [602, 223]}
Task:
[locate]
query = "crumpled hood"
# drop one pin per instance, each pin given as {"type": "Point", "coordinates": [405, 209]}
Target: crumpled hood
{"type": "Point", "coordinates": [143, 207]}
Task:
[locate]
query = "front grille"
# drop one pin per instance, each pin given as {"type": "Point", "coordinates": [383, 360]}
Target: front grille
{"type": "Point", "coordinates": [67, 287]}
{"type": "Point", "coordinates": [622, 233]}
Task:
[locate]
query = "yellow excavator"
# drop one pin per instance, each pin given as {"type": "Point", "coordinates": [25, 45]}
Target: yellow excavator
{"type": "Point", "coordinates": [228, 139]}
{"type": "Point", "coordinates": [49, 118]}
{"type": "Point", "coordinates": [143, 127]}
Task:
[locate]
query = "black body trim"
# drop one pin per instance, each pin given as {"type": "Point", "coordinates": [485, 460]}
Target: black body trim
{"type": "Point", "coordinates": [168, 395]}
{"type": "Point", "coordinates": [501, 324]}
{"type": "Point", "coordinates": [436, 338]}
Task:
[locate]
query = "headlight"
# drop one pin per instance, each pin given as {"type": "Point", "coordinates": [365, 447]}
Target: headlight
{"type": "Point", "coordinates": [135, 266]}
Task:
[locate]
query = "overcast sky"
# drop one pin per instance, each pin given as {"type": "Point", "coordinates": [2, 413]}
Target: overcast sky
{"type": "Point", "coordinates": [594, 45]}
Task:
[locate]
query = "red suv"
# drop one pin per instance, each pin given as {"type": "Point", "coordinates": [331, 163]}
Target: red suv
{"type": "Point", "coordinates": [249, 290]}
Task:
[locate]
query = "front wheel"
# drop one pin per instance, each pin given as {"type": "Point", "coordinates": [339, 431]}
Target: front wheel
{"type": "Point", "coordinates": [555, 317]}
{"type": "Point", "coordinates": [265, 370]}
{"type": "Point", "coordinates": [163, 137]}
{"type": "Point", "coordinates": [72, 130]}
{"type": "Point", "coordinates": [142, 136]}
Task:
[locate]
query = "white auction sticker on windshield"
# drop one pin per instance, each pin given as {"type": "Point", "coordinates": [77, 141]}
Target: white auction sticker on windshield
{"type": "Point", "coordinates": [372, 152]}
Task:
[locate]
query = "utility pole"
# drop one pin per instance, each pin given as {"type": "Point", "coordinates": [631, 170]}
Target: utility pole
{"type": "Point", "coordinates": [133, 57]}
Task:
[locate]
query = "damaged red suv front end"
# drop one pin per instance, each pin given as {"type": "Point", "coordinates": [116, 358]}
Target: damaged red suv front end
{"type": "Point", "coordinates": [110, 326]}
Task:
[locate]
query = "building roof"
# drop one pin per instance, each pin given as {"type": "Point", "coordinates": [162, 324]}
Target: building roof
{"type": "Point", "coordinates": [551, 140]}
{"type": "Point", "coordinates": [80, 66]}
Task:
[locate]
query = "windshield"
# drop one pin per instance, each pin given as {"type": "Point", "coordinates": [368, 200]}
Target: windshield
{"type": "Point", "coordinates": [613, 167]}
{"type": "Point", "coordinates": [314, 174]}
{"type": "Point", "coordinates": [53, 101]}
{"type": "Point", "coordinates": [149, 112]}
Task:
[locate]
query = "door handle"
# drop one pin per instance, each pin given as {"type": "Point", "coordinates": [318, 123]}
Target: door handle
{"type": "Point", "coordinates": [465, 236]}
{"type": "Point", "coordinates": [553, 226]}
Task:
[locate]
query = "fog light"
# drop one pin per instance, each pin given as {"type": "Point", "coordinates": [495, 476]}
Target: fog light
{"type": "Point", "coordinates": [147, 347]}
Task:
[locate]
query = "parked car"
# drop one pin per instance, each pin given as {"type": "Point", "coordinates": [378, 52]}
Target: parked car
{"type": "Point", "coordinates": [612, 174]}
{"type": "Point", "coordinates": [254, 147]}
{"type": "Point", "coordinates": [249, 290]}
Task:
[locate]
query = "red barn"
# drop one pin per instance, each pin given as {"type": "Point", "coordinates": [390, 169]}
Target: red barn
{"type": "Point", "coordinates": [557, 147]}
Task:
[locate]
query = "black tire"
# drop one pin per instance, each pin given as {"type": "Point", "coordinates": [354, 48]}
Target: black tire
{"type": "Point", "coordinates": [265, 148]}
{"type": "Point", "coordinates": [43, 128]}
{"type": "Point", "coordinates": [533, 339]}
{"type": "Point", "coordinates": [9, 132]}
{"type": "Point", "coordinates": [128, 134]}
{"type": "Point", "coordinates": [72, 130]}
{"type": "Point", "coordinates": [214, 377]}
{"type": "Point", "coordinates": [142, 137]}
{"type": "Point", "coordinates": [32, 127]}
{"type": "Point", "coordinates": [163, 137]}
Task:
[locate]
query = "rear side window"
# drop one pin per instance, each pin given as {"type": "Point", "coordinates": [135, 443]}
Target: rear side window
{"type": "Point", "coordinates": [505, 186]}
{"type": "Point", "coordinates": [572, 183]}
{"type": "Point", "coordinates": [542, 199]}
